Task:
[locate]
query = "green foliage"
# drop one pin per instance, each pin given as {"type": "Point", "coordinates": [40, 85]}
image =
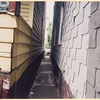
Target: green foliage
{"type": "Point", "coordinates": [47, 45]}
{"type": "Point", "coordinates": [49, 34]}
{"type": "Point", "coordinates": [49, 39]}
{"type": "Point", "coordinates": [44, 55]}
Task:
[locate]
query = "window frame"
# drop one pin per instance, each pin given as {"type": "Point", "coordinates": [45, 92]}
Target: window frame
{"type": "Point", "coordinates": [54, 39]}
{"type": "Point", "coordinates": [61, 25]}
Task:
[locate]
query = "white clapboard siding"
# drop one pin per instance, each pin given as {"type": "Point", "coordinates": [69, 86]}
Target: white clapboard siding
{"type": "Point", "coordinates": [8, 21]}
{"type": "Point", "coordinates": [5, 64]}
{"type": "Point", "coordinates": [6, 35]}
{"type": "Point", "coordinates": [27, 11]}
{"type": "Point", "coordinates": [5, 47]}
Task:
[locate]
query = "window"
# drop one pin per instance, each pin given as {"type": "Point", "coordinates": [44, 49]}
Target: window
{"type": "Point", "coordinates": [61, 24]}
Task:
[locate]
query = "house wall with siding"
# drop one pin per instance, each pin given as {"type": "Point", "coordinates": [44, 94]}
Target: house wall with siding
{"type": "Point", "coordinates": [21, 42]}
{"type": "Point", "coordinates": [71, 55]}
{"type": "Point", "coordinates": [26, 11]}
{"type": "Point", "coordinates": [93, 70]}
{"type": "Point", "coordinates": [37, 40]}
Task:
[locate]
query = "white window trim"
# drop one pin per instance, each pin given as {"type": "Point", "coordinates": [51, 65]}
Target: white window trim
{"type": "Point", "coordinates": [60, 28]}
{"type": "Point", "coordinates": [54, 37]}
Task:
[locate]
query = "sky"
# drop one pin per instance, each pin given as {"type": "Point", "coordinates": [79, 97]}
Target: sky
{"type": "Point", "coordinates": [49, 10]}
{"type": "Point", "coordinates": [49, 14]}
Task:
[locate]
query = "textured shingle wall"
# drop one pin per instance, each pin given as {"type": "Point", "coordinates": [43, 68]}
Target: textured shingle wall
{"type": "Point", "coordinates": [93, 70]}
{"type": "Point", "coordinates": [71, 55]}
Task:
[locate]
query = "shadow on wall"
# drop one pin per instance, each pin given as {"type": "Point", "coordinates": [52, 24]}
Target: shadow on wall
{"type": "Point", "coordinates": [22, 87]}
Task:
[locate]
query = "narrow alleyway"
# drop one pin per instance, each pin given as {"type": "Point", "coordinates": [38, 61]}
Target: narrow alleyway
{"type": "Point", "coordinates": [44, 84]}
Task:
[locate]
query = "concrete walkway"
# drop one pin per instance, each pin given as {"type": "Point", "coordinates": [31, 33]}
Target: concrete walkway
{"type": "Point", "coordinates": [44, 84]}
